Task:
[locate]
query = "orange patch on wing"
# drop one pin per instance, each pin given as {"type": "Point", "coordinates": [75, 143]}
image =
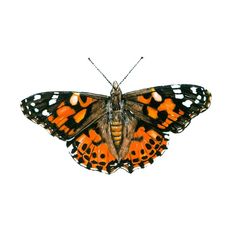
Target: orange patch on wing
{"type": "Point", "coordinates": [72, 132]}
{"type": "Point", "coordinates": [152, 112]}
{"type": "Point", "coordinates": [161, 126]}
{"type": "Point", "coordinates": [92, 152]}
{"type": "Point", "coordinates": [61, 122]}
{"type": "Point", "coordinates": [139, 132]}
{"type": "Point", "coordinates": [61, 105]}
{"type": "Point", "coordinates": [50, 118]}
{"type": "Point", "coordinates": [83, 139]}
{"type": "Point", "coordinates": [168, 105]}
{"type": "Point", "coordinates": [144, 100]}
{"type": "Point", "coordinates": [65, 111]}
{"type": "Point", "coordinates": [88, 101]}
{"type": "Point", "coordinates": [64, 128]}
{"type": "Point", "coordinates": [145, 148]}
{"type": "Point", "coordinates": [154, 134]}
{"type": "Point", "coordinates": [94, 136]}
{"type": "Point", "coordinates": [103, 151]}
{"type": "Point", "coordinates": [80, 116]}
{"type": "Point", "coordinates": [62, 117]}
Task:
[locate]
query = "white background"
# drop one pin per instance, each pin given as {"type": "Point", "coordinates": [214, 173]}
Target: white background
{"type": "Point", "coordinates": [45, 45]}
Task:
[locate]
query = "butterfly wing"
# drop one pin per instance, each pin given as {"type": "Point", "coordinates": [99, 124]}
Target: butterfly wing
{"type": "Point", "coordinates": [93, 148]}
{"type": "Point", "coordinates": [64, 114]}
{"type": "Point", "coordinates": [157, 111]}
{"type": "Point", "coordinates": [168, 108]}
{"type": "Point", "coordinates": [147, 143]}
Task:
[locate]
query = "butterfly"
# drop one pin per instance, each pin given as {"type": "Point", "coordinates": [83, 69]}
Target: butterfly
{"type": "Point", "coordinates": [128, 131]}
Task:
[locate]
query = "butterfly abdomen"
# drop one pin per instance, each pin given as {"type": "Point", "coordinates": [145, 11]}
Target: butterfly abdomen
{"type": "Point", "coordinates": [116, 132]}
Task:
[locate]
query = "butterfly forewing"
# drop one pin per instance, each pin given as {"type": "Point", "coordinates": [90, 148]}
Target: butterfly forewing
{"type": "Point", "coordinates": [64, 113]}
{"type": "Point", "coordinates": [168, 108]}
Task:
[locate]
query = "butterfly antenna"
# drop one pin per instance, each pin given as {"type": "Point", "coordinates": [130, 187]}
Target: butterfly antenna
{"type": "Point", "coordinates": [100, 71]}
{"type": "Point", "coordinates": [131, 70]}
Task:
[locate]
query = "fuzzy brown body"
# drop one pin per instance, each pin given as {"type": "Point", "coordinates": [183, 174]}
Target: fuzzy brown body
{"type": "Point", "coordinates": [116, 122]}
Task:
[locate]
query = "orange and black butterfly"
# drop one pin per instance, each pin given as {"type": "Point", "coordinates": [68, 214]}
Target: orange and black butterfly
{"type": "Point", "coordinates": [127, 131]}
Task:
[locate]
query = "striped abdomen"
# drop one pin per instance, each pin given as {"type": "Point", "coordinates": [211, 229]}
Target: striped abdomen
{"type": "Point", "coordinates": [116, 132]}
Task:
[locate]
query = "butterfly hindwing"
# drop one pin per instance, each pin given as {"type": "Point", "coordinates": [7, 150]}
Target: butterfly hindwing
{"type": "Point", "coordinates": [168, 108]}
{"type": "Point", "coordinates": [91, 150]}
{"type": "Point", "coordinates": [64, 113]}
{"type": "Point", "coordinates": [147, 144]}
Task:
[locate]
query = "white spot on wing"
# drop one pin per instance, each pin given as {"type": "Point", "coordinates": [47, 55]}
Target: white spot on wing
{"type": "Point", "coordinates": [45, 113]}
{"type": "Point", "coordinates": [194, 90]}
{"type": "Point", "coordinates": [55, 96]}
{"type": "Point", "coordinates": [175, 86]}
{"type": "Point", "coordinates": [179, 96]}
{"type": "Point", "coordinates": [199, 97]}
{"type": "Point", "coordinates": [70, 149]}
{"type": "Point", "coordinates": [52, 101]}
{"type": "Point", "coordinates": [37, 97]}
{"type": "Point", "coordinates": [36, 109]}
{"type": "Point", "coordinates": [187, 103]}
{"type": "Point", "coordinates": [32, 104]}
{"type": "Point", "coordinates": [166, 136]}
{"type": "Point", "coordinates": [177, 91]}
{"type": "Point", "coordinates": [157, 97]}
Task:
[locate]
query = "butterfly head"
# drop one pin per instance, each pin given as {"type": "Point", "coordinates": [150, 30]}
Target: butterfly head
{"type": "Point", "coordinates": [115, 96]}
{"type": "Point", "coordinates": [115, 85]}
{"type": "Point", "coordinates": [115, 88]}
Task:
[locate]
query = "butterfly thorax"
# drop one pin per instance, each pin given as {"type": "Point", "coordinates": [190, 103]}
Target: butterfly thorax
{"type": "Point", "coordinates": [116, 121]}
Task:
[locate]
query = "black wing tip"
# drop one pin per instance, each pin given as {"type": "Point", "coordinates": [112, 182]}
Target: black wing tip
{"type": "Point", "coordinates": [205, 92]}
{"type": "Point", "coordinates": [207, 103]}
{"type": "Point", "coordinates": [23, 106]}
